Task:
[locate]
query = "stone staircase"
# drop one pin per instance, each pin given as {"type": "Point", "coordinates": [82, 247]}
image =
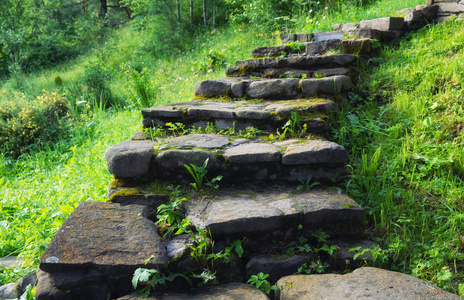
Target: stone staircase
{"type": "Point", "coordinates": [99, 247]}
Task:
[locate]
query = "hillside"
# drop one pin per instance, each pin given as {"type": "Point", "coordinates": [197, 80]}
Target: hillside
{"type": "Point", "coordinates": [402, 127]}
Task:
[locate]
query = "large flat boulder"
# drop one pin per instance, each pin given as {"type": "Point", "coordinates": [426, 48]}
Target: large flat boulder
{"type": "Point", "coordinates": [107, 237]}
{"type": "Point", "coordinates": [362, 284]}
{"type": "Point", "coordinates": [315, 152]}
{"type": "Point", "coordinates": [248, 213]}
{"type": "Point", "coordinates": [252, 153]}
{"type": "Point", "coordinates": [273, 89]}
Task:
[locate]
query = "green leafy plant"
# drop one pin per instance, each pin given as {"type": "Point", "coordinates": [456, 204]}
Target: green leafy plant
{"type": "Point", "coordinates": [307, 184]}
{"type": "Point", "coordinates": [171, 218]}
{"type": "Point", "coordinates": [199, 175]}
{"type": "Point", "coordinates": [259, 280]}
{"type": "Point", "coordinates": [293, 126]}
{"type": "Point", "coordinates": [152, 278]}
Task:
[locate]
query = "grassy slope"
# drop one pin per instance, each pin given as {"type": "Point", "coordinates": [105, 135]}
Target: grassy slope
{"type": "Point", "coordinates": [406, 159]}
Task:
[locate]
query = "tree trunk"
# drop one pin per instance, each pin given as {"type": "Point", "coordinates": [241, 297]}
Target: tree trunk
{"type": "Point", "coordinates": [178, 13]}
{"type": "Point", "coordinates": [214, 14]}
{"type": "Point", "coordinates": [191, 14]}
{"type": "Point", "coordinates": [205, 12]}
{"type": "Point", "coordinates": [103, 9]}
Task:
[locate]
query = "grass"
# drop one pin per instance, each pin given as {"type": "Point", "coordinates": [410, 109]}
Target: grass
{"type": "Point", "coordinates": [403, 127]}
{"type": "Point", "coordinates": [405, 137]}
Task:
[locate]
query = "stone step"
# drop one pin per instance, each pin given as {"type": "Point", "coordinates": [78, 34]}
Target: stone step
{"type": "Point", "coordinates": [297, 62]}
{"type": "Point", "coordinates": [97, 250]}
{"type": "Point", "coordinates": [238, 160]}
{"type": "Point", "coordinates": [291, 72]}
{"type": "Point", "coordinates": [239, 115]}
{"type": "Point", "coordinates": [353, 46]}
{"type": "Point", "coordinates": [249, 213]}
{"type": "Point", "coordinates": [273, 89]}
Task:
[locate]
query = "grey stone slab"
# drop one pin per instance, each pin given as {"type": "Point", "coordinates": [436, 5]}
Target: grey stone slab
{"type": "Point", "coordinates": [212, 111]}
{"type": "Point", "coordinates": [174, 160]}
{"type": "Point", "coordinates": [320, 47]}
{"type": "Point", "coordinates": [327, 61]}
{"type": "Point", "coordinates": [429, 12]}
{"type": "Point", "coordinates": [450, 8]}
{"type": "Point", "coordinates": [301, 106]}
{"type": "Point", "coordinates": [130, 159]}
{"type": "Point", "coordinates": [205, 141]}
{"type": "Point", "coordinates": [362, 284]}
{"type": "Point", "coordinates": [330, 35]}
{"type": "Point", "coordinates": [273, 89]}
{"type": "Point", "coordinates": [10, 291]}
{"type": "Point", "coordinates": [365, 33]}
{"type": "Point", "coordinates": [414, 16]}
{"type": "Point", "coordinates": [230, 291]}
{"type": "Point", "coordinates": [259, 63]}
{"type": "Point", "coordinates": [296, 37]}
{"type": "Point", "coordinates": [271, 51]}
{"type": "Point", "coordinates": [109, 237]}
{"type": "Point", "coordinates": [213, 88]}
{"type": "Point", "coordinates": [357, 46]}
{"type": "Point", "coordinates": [364, 24]}
{"type": "Point", "coordinates": [252, 153]}
{"type": "Point", "coordinates": [387, 23]}
{"type": "Point", "coordinates": [252, 114]}
{"type": "Point", "coordinates": [247, 213]}
{"type": "Point", "coordinates": [349, 26]}
{"type": "Point", "coordinates": [334, 71]}
{"type": "Point", "coordinates": [327, 85]}
{"type": "Point", "coordinates": [315, 152]}
{"type": "Point", "coordinates": [163, 111]}
{"type": "Point", "coordinates": [238, 89]}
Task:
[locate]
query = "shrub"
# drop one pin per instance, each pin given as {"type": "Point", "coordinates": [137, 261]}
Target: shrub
{"type": "Point", "coordinates": [26, 124]}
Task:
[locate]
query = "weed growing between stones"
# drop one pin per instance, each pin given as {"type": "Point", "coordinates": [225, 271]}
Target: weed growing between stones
{"type": "Point", "coordinates": [259, 280]}
{"type": "Point", "coordinates": [307, 184]}
{"type": "Point", "coordinates": [294, 126]}
{"type": "Point", "coordinates": [199, 174]}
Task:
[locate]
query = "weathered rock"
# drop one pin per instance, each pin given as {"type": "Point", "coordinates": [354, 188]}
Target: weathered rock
{"type": "Point", "coordinates": [231, 291]}
{"type": "Point", "coordinates": [349, 26]}
{"type": "Point", "coordinates": [78, 284]}
{"type": "Point", "coordinates": [110, 238]}
{"type": "Point", "coordinates": [252, 153]}
{"type": "Point", "coordinates": [10, 291]}
{"type": "Point", "coordinates": [176, 247]}
{"type": "Point", "coordinates": [130, 159]}
{"type": "Point", "coordinates": [314, 152]}
{"type": "Point", "coordinates": [388, 23]}
{"type": "Point", "coordinates": [213, 88]}
{"type": "Point", "coordinates": [357, 46]}
{"type": "Point", "coordinates": [330, 35]}
{"type": "Point", "coordinates": [133, 195]}
{"type": "Point", "coordinates": [24, 282]}
{"type": "Point", "coordinates": [296, 37]}
{"type": "Point", "coordinates": [205, 141]}
{"type": "Point", "coordinates": [320, 47]}
{"type": "Point", "coordinates": [449, 8]}
{"type": "Point", "coordinates": [271, 51]}
{"type": "Point", "coordinates": [139, 136]}
{"type": "Point", "coordinates": [276, 267]}
{"type": "Point", "coordinates": [273, 89]}
{"type": "Point", "coordinates": [252, 113]}
{"type": "Point", "coordinates": [299, 62]}
{"type": "Point", "coordinates": [238, 89]}
{"type": "Point", "coordinates": [365, 33]}
{"type": "Point", "coordinates": [414, 16]}
{"type": "Point", "coordinates": [170, 111]}
{"type": "Point", "coordinates": [248, 213]}
{"type": "Point", "coordinates": [327, 85]}
{"type": "Point", "coordinates": [214, 111]}
{"type": "Point", "coordinates": [175, 160]}
{"type": "Point", "coordinates": [364, 283]}
{"type": "Point", "coordinates": [429, 12]}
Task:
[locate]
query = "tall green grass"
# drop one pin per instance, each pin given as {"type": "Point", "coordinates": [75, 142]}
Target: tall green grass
{"type": "Point", "coordinates": [406, 139]}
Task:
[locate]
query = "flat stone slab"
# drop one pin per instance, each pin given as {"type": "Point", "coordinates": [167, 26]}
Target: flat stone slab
{"type": "Point", "coordinates": [231, 291]}
{"type": "Point", "coordinates": [330, 35]}
{"type": "Point", "coordinates": [240, 160]}
{"type": "Point", "coordinates": [315, 48]}
{"type": "Point", "coordinates": [296, 37]}
{"type": "Point", "coordinates": [299, 62]}
{"type": "Point", "coordinates": [314, 152]}
{"type": "Point", "coordinates": [274, 89]}
{"type": "Point", "coordinates": [206, 141]}
{"type": "Point", "coordinates": [247, 213]}
{"type": "Point", "coordinates": [263, 115]}
{"type": "Point", "coordinates": [252, 152]}
{"type": "Point", "coordinates": [271, 51]}
{"type": "Point", "coordinates": [365, 283]}
{"type": "Point", "coordinates": [107, 237]}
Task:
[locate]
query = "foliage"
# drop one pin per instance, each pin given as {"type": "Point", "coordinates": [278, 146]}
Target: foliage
{"type": "Point", "coordinates": [212, 61]}
{"type": "Point", "coordinates": [307, 185]}
{"type": "Point", "coordinates": [406, 161]}
{"type": "Point", "coordinates": [259, 280]}
{"type": "Point", "coordinates": [170, 217]}
{"type": "Point", "coordinates": [25, 125]}
{"type": "Point", "coordinates": [199, 175]}
{"type": "Point", "coordinates": [151, 278]}
{"type": "Point", "coordinates": [293, 126]}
